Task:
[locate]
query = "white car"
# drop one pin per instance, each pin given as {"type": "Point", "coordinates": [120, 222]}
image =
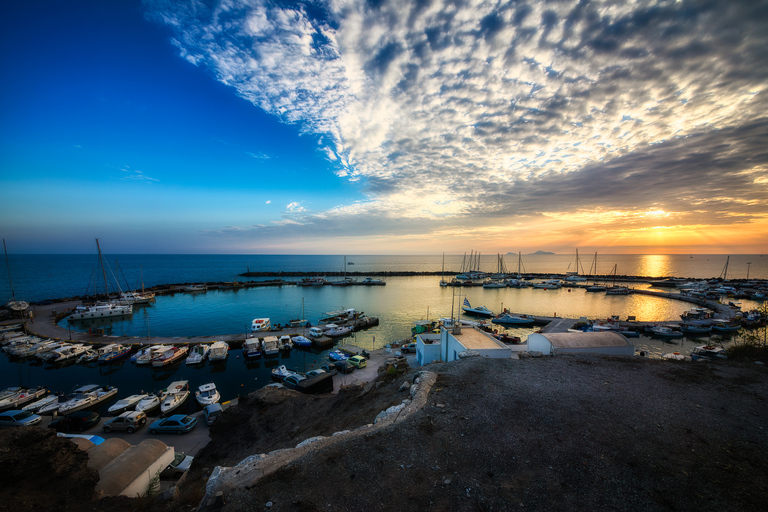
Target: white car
{"type": "Point", "coordinates": [19, 418]}
{"type": "Point", "coordinates": [180, 464]}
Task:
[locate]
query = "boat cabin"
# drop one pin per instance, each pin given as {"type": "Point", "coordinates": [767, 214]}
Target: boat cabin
{"type": "Point", "coordinates": [260, 324]}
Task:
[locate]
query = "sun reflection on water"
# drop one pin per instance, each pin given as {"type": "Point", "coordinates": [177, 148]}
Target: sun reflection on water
{"type": "Point", "coordinates": [654, 265]}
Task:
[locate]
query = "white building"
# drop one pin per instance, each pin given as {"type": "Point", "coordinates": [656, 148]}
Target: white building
{"type": "Point", "coordinates": [451, 344]}
{"type": "Point", "coordinates": [611, 343]}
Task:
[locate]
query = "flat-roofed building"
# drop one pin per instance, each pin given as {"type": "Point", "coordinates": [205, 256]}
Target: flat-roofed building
{"type": "Point", "coordinates": [452, 344]}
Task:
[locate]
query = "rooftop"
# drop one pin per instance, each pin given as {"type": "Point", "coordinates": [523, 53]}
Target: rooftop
{"type": "Point", "coordinates": [474, 339]}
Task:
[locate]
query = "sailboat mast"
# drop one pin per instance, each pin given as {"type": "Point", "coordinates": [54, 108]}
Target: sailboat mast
{"type": "Point", "coordinates": [8, 266]}
{"type": "Point", "coordinates": [103, 269]}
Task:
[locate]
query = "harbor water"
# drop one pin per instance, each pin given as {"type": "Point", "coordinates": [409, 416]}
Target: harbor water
{"type": "Point", "coordinates": [397, 305]}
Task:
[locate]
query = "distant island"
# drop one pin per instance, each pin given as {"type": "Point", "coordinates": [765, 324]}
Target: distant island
{"type": "Point", "coordinates": [535, 253]}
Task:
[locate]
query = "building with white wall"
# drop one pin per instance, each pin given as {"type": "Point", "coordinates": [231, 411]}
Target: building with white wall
{"type": "Point", "coordinates": [611, 343]}
{"type": "Point", "coordinates": [452, 344]}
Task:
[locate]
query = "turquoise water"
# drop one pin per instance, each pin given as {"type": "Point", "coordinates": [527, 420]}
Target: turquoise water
{"type": "Point", "coordinates": [402, 301]}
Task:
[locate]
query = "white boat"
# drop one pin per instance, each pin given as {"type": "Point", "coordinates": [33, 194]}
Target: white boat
{"type": "Point", "coordinates": [65, 353]}
{"type": "Point", "coordinates": [150, 403]}
{"type": "Point", "coordinates": [286, 343]}
{"type": "Point", "coordinates": [271, 345]}
{"type": "Point", "coordinates": [145, 355]}
{"type": "Point", "coordinates": [665, 332]}
{"type": "Point", "coordinates": [85, 397]}
{"type": "Point", "coordinates": [708, 352]}
{"type": "Point", "coordinates": [480, 311]}
{"type": "Point", "coordinates": [198, 353]}
{"type": "Point", "coordinates": [338, 332]}
{"type": "Point", "coordinates": [552, 284]}
{"type": "Point", "coordinates": [127, 403]}
{"type": "Point", "coordinates": [88, 356]}
{"type": "Point", "coordinates": [301, 341]}
{"type": "Point", "coordinates": [674, 356]}
{"type": "Point", "coordinates": [169, 355]}
{"type": "Point", "coordinates": [24, 396]}
{"type": "Point", "coordinates": [373, 282]}
{"type": "Point", "coordinates": [196, 288]}
{"type": "Point", "coordinates": [260, 324]}
{"type": "Point", "coordinates": [176, 394]}
{"type": "Point", "coordinates": [113, 351]}
{"type": "Point", "coordinates": [495, 284]}
{"type": "Point", "coordinates": [39, 404]}
{"type": "Point", "coordinates": [281, 372]}
{"type": "Point", "coordinates": [101, 310]}
{"type": "Point", "coordinates": [137, 298]}
{"type": "Point", "coordinates": [251, 348]}
{"type": "Point", "coordinates": [207, 394]}
{"type": "Point", "coordinates": [219, 351]}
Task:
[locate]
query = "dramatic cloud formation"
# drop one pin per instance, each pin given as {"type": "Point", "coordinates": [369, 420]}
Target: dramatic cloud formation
{"type": "Point", "coordinates": [501, 119]}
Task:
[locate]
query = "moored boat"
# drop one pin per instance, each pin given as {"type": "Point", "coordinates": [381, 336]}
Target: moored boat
{"type": "Point", "coordinates": [514, 320]}
{"type": "Point", "coordinates": [148, 404]}
{"type": "Point", "coordinates": [219, 351]}
{"type": "Point", "coordinates": [39, 404]}
{"type": "Point", "coordinates": [146, 354]}
{"type": "Point", "coordinates": [126, 404]}
{"type": "Point", "coordinates": [112, 352]}
{"type": "Point", "coordinates": [86, 397]}
{"type": "Point", "coordinates": [281, 372]}
{"type": "Point", "coordinates": [260, 324]}
{"type": "Point", "coordinates": [251, 348]}
{"type": "Point", "coordinates": [24, 396]}
{"type": "Point", "coordinates": [665, 332]}
{"type": "Point", "coordinates": [169, 355]}
{"type": "Point", "coordinates": [302, 341]}
{"type": "Point", "coordinates": [207, 394]}
{"type": "Point", "coordinates": [338, 332]}
{"type": "Point", "coordinates": [176, 394]}
{"type": "Point", "coordinates": [271, 345]}
{"type": "Point", "coordinates": [198, 353]}
{"type": "Point", "coordinates": [480, 311]}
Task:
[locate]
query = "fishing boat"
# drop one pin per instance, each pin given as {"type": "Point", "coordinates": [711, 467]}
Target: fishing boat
{"type": "Point", "coordinates": [302, 341]}
{"type": "Point", "coordinates": [337, 355]}
{"type": "Point", "coordinates": [281, 372]}
{"type": "Point", "coordinates": [169, 355]}
{"type": "Point", "coordinates": [723, 326]}
{"type": "Point", "coordinates": [112, 352]}
{"type": "Point", "coordinates": [338, 332]}
{"type": "Point", "coordinates": [207, 394]}
{"type": "Point", "coordinates": [480, 311]}
{"type": "Point", "coordinates": [665, 332]}
{"type": "Point", "coordinates": [198, 353]}
{"type": "Point", "coordinates": [251, 348]}
{"type": "Point", "coordinates": [145, 355]}
{"type": "Point", "coordinates": [260, 324]}
{"type": "Point", "coordinates": [286, 343]}
{"type": "Point", "coordinates": [513, 320]}
{"type": "Point", "coordinates": [708, 352]}
{"type": "Point", "coordinates": [87, 396]}
{"type": "Point", "coordinates": [88, 356]}
{"type": "Point", "coordinates": [219, 351]}
{"type": "Point", "coordinates": [271, 345]}
{"type": "Point", "coordinates": [65, 353]}
{"type": "Point", "coordinates": [126, 404]}
{"type": "Point", "coordinates": [695, 328]}
{"type": "Point", "coordinates": [148, 404]}
{"type": "Point", "coordinates": [176, 394]}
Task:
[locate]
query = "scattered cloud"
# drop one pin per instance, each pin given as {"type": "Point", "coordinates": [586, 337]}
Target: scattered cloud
{"type": "Point", "coordinates": [134, 175]}
{"type": "Point", "coordinates": [259, 156]}
{"type": "Point", "coordinates": [450, 115]}
{"type": "Point", "coordinates": [269, 201]}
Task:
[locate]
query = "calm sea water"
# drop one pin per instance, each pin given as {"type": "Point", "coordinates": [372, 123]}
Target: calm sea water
{"type": "Point", "coordinates": [402, 301]}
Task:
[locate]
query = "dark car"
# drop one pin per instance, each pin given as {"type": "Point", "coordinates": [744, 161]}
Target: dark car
{"type": "Point", "coordinates": [330, 369]}
{"type": "Point", "coordinates": [76, 421]}
{"type": "Point", "coordinates": [408, 347]}
{"type": "Point", "coordinates": [343, 367]}
{"type": "Point", "coordinates": [178, 424]}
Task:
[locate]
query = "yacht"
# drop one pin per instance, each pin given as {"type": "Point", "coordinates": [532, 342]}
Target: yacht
{"type": "Point", "coordinates": [87, 396]}
{"type": "Point", "coordinates": [101, 310]}
{"type": "Point", "coordinates": [207, 394]}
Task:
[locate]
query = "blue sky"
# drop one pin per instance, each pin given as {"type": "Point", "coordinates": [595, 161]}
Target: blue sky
{"type": "Point", "coordinates": [351, 127]}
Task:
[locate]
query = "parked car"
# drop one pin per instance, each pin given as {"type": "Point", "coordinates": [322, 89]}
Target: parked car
{"type": "Point", "coordinates": [330, 369]}
{"type": "Point", "coordinates": [178, 424]}
{"type": "Point", "coordinates": [80, 420]}
{"type": "Point", "coordinates": [357, 361]}
{"type": "Point", "coordinates": [343, 367]}
{"type": "Point", "coordinates": [408, 347]}
{"type": "Point", "coordinates": [212, 412]}
{"type": "Point", "coordinates": [17, 418]}
{"type": "Point", "coordinates": [315, 373]}
{"type": "Point", "coordinates": [180, 464]}
{"type": "Point", "coordinates": [129, 421]}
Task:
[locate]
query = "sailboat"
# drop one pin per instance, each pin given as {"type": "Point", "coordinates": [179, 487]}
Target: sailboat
{"type": "Point", "coordinates": [103, 309]}
{"type": "Point", "coordinates": [443, 282]}
{"type": "Point", "coordinates": [616, 290]}
{"type": "Point", "coordinates": [138, 298]}
{"type": "Point", "coordinates": [14, 305]}
{"type": "Point", "coordinates": [574, 276]}
{"type": "Point", "coordinates": [345, 281]}
{"type": "Point", "coordinates": [594, 287]}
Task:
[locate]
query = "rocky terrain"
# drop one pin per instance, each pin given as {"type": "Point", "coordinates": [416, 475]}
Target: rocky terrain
{"type": "Point", "coordinates": [571, 432]}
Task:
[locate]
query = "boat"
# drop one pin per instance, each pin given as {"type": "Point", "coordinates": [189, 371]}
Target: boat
{"type": "Point", "coordinates": [372, 282]}
{"type": "Point", "coordinates": [665, 332]}
{"type": "Point", "coordinates": [515, 320]}
{"type": "Point", "coordinates": [219, 351]}
{"type": "Point", "coordinates": [443, 282]}
{"type": "Point", "coordinates": [480, 311]}
{"type": "Point", "coordinates": [111, 352]}
{"type": "Point", "coordinates": [260, 324]}
{"type": "Point", "coordinates": [551, 284]}
{"type": "Point", "coordinates": [65, 353]}
{"type": "Point", "coordinates": [301, 341]}
{"type": "Point", "coordinates": [506, 338]}
{"type": "Point", "coordinates": [251, 348]}
{"type": "Point", "coordinates": [311, 281]}
{"type": "Point", "coordinates": [169, 355]}
{"type": "Point", "coordinates": [617, 290]}
{"type": "Point", "coordinates": [207, 394]}
{"type": "Point", "coordinates": [695, 328]}
{"type": "Point", "coordinates": [13, 390]}
{"type": "Point", "coordinates": [85, 397]}
{"type": "Point", "coordinates": [338, 332]}
{"type": "Point", "coordinates": [198, 353]}
{"type": "Point", "coordinates": [150, 403]}
{"type": "Point", "coordinates": [494, 284]}
{"type": "Point", "coordinates": [708, 352]}
{"type": "Point", "coordinates": [176, 394]}
{"type": "Point", "coordinates": [281, 372]}
{"type": "Point", "coordinates": [674, 356]}
{"type": "Point", "coordinates": [101, 310]}
{"type": "Point", "coordinates": [722, 326]}
{"type": "Point", "coordinates": [337, 355]}
{"type": "Point", "coordinates": [24, 396]}
{"type": "Point", "coordinates": [271, 345]}
{"type": "Point", "coordinates": [286, 343]}
{"type": "Point", "coordinates": [196, 288]}
{"type": "Point", "coordinates": [39, 404]}
{"type": "Point", "coordinates": [145, 355]}
{"type": "Point", "coordinates": [126, 404]}
{"type": "Point", "coordinates": [88, 356]}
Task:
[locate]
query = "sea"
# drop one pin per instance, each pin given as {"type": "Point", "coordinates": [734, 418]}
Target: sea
{"type": "Point", "coordinates": [402, 301]}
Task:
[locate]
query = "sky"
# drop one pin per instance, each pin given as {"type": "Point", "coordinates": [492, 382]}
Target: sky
{"type": "Point", "coordinates": [384, 127]}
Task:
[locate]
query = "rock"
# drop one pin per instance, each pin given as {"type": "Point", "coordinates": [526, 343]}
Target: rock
{"type": "Point", "coordinates": [404, 386]}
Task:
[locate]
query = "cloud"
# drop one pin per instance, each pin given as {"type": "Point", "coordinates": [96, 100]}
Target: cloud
{"type": "Point", "coordinates": [258, 156]}
{"type": "Point", "coordinates": [269, 201]}
{"type": "Point", "coordinates": [456, 113]}
{"type": "Point", "coordinates": [136, 175]}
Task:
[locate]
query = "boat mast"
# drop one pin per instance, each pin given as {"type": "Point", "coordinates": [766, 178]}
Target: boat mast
{"type": "Point", "coordinates": [103, 270]}
{"type": "Point", "coordinates": [8, 266]}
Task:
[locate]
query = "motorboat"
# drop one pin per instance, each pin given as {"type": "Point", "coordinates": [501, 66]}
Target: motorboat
{"type": "Point", "coordinates": [271, 345]}
{"type": "Point", "coordinates": [198, 353]}
{"type": "Point", "coordinates": [150, 403]}
{"type": "Point", "coordinates": [207, 394]}
{"type": "Point", "coordinates": [281, 372]}
{"type": "Point", "coordinates": [495, 284]}
{"type": "Point", "coordinates": [552, 284]}
{"type": "Point", "coordinates": [514, 320]}
{"type": "Point", "coordinates": [32, 349]}
{"type": "Point", "coordinates": [87, 396]}
{"type": "Point", "coordinates": [196, 288]}
{"type": "Point", "coordinates": [219, 351]}
{"type": "Point", "coordinates": [66, 353]}
{"type": "Point", "coordinates": [708, 352]}
{"type": "Point", "coordinates": [301, 341]}
{"type": "Point", "coordinates": [372, 282]}
{"type": "Point", "coordinates": [722, 326]}
{"type": "Point", "coordinates": [101, 310]}
{"type": "Point", "coordinates": [111, 352]}
{"type": "Point", "coordinates": [137, 297]}
{"type": "Point", "coordinates": [617, 290]}
{"type": "Point", "coordinates": [286, 343]}
{"type": "Point", "coordinates": [145, 355]}
{"type": "Point", "coordinates": [338, 332]}
{"type": "Point", "coordinates": [480, 311]}
{"type": "Point", "coordinates": [665, 332]}
{"type": "Point", "coordinates": [260, 324]}
{"type": "Point", "coordinates": [251, 348]}
{"type": "Point", "coordinates": [311, 281]}
{"type": "Point", "coordinates": [39, 404]}
{"type": "Point", "coordinates": [695, 328]}
{"type": "Point", "coordinates": [126, 404]}
{"type": "Point", "coordinates": [176, 394]}
{"type": "Point", "coordinates": [674, 356]}
{"type": "Point", "coordinates": [337, 355]}
{"type": "Point", "coordinates": [24, 396]}
{"type": "Point", "coordinates": [88, 356]}
{"type": "Point", "coordinates": [169, 355]}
